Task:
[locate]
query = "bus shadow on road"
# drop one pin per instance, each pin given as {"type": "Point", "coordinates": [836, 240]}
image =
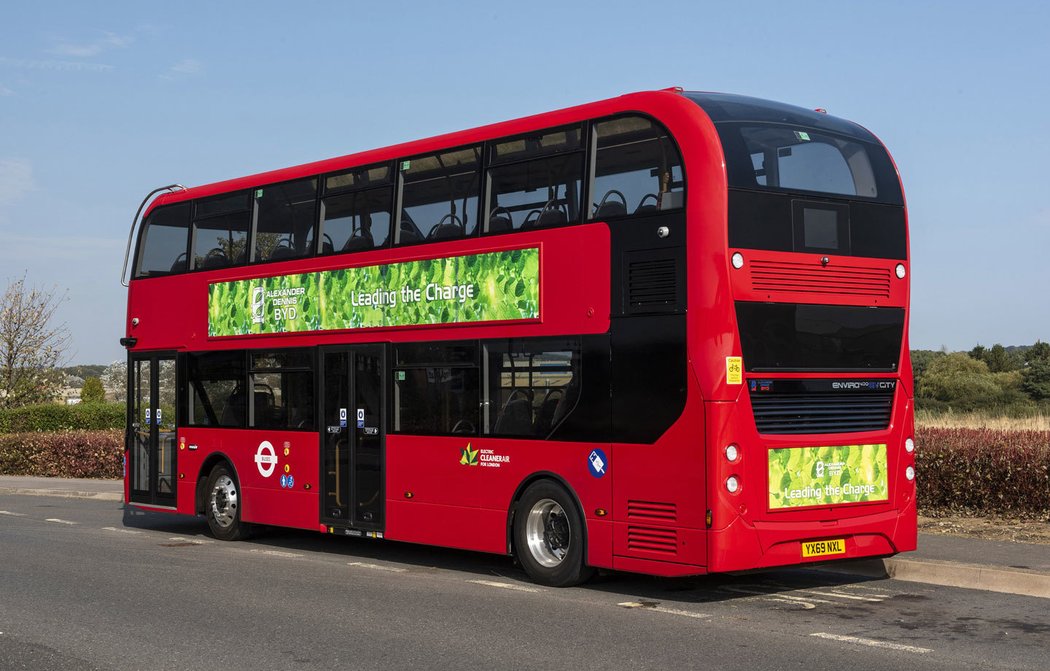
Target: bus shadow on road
{"type": "Point", "coordinates": [780, 585]}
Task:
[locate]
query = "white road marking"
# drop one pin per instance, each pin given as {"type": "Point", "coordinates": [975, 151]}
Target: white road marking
{"type": "Point", "coordinates": [661, 609]}
{"type": "Point", "coordinates": [122, 531]}
{"type": "Point", "coordinates": [505, 585]}
{"type": "Point", "coordinates": [195, 541]}
{"type": "Point", "coordinates": [872, 643]}
{"type": "Point", "coordinates": [842, 596]}
{"type": "Point", "coordinates": [772, 595]}
{"type": "Point", "coordinates": [58, 521]}
{"type": "Point", "coordinates": [793, 601]}
{"type": "Point", "coordinates": [277, 553]}
{"type": "Point", "coordinates": [6, 512]}
{"type": "Point", "coordinates": [377, 567]}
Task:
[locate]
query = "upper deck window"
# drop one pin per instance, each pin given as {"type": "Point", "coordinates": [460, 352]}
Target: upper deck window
{"type": "Point", "coordinates": [164, 241]}
{"type": "Point", "coordinates": [284, 220]}
{"type": "Point", "coordinates": [439, 196]}
{"type": "Point", "coordinates": [356, 209]}
{"type": "Point", "coordinates": [220, 231]}
{"type": "Point", "coordinates": [638, 169]}
{"type": "Point", "coordinates": [535, 181]}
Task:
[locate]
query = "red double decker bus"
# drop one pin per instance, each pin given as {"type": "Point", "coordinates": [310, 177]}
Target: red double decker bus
{"type": "Point", "coordinates": [662, 333]}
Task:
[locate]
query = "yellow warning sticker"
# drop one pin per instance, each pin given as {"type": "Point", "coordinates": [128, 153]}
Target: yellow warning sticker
{"type": "Point", "coordinates": [734, 370]}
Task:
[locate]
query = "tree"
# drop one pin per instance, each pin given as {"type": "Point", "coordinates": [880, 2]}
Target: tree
{"type": "Point", "coordinates": [31, 345]}
{"type": "Point", "coordinates": [115, 380]}
{"type": "Point", "coordinates": [92, 391]}
{"type": "Point", "coordinates": [999, 359]}
{"type": "Point", "coordinates": [1035, 378]}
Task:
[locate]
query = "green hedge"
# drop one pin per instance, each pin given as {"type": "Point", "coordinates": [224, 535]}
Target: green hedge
{"type": "Point", "coordinates": [54, 417]}
{"type": "Point", "coordinates": [70, 454]}
{"type": "Point", "coordinates": [972, 472]}
{"type": "Point", "coordinates": [983, 472]}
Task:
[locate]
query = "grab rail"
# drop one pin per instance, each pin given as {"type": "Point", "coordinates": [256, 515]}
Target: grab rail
{"type": "Point", "coordinates": [134, 222]}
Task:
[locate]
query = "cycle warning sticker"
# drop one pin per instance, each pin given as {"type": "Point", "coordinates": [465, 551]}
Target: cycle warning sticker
{"type": "Point", "coordinates": [734, 370]}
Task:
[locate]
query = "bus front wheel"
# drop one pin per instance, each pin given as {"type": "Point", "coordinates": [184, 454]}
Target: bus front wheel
{"type": "Point", "coordinates": [223, 505]}
{"type": "Point", "coordinates": [548, 536]}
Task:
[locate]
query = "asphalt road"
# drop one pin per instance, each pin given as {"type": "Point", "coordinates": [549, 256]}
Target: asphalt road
{"type": "Point", "coordinates": [82, 586]}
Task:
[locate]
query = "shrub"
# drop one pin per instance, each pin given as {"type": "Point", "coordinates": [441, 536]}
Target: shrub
{"type": "Point", "coordinates": [983, 472]}
{"type": "Point", "coordinates": [71, 454]}
{"type": "Point", "coordinates": [92, 391]}
{"type": "Point", "coordinates": [54, 417]}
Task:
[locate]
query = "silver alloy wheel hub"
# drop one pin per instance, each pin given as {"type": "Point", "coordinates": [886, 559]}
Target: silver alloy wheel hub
{"type": "Point", "coordinates": [224, 501]}
{"type": "Point", "coordinates": [547, 533]}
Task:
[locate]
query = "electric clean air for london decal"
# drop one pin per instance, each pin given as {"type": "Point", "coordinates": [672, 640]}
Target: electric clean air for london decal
{"type": "Point", "coordinates": [813, 476]}
{"type": "Point", "coordinates": [495, 286]}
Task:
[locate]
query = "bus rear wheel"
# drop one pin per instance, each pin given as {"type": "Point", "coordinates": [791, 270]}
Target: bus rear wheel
{"type": "Point", "coordinates": [223, 505]}
{"type": "Point", "coordinates": [548, 536]}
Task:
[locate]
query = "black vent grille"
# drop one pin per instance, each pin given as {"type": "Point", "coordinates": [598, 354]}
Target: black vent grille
{"type": "Point", "coordinates": [822, 412]}
{"type": "Point", "coordinates": [652, 285]}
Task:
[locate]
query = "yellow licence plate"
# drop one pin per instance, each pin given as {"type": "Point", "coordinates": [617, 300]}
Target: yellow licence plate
{"type": "Point", "coordinates": [835, 546]}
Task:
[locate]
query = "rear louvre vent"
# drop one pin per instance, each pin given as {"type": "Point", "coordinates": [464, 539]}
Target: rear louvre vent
{"type": "Point", "coordinates": [652, 510]}
{"type": "Point", "coordinates": [649, 539]}
{"type": "Point", "coordinates": [822, 412]}
{"type": "Point", "coordinates": [807, 278]}
{"type": "Point", "coordinates": [652, 283]}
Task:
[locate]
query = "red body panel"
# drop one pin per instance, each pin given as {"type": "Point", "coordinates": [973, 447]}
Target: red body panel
{"type": "Point", "coordinates": [648, 513]}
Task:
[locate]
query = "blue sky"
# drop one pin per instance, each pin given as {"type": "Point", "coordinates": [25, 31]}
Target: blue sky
{"type": "Point", "coordinates": [102, 102]}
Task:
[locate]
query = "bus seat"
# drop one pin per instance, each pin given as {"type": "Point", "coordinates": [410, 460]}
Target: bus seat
{"type": "Point", "coordinates": [650, 208]}
{"type": "Point", "coordinates": [233, 410]}
{"type": "Point", "coordinates": [611, 207]}
{"type": "Point", "coordinates": [516, 417]}
{"type": "Point", "coordinates": [500, 220]}
{"type": "Point", "coordinates": [263, 408]}
{"type": "Point", "coordinates": [215, 258]}
{"type": "Point", "coordinates": [283, 253]}
{"type": "Point", "coordinates": [545, 415]}
{"type": "Point", "coordinates": [409, 231]}
{"type": "Point", "coordinates": [359, 242]}
{"type": "Point", "coordinates": [552, 217]}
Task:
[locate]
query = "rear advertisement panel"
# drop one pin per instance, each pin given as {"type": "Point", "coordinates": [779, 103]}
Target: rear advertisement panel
{"type": "Point", "coordinates": [815, 476]}
{"type": "Point", "coordinates": [494, 286]}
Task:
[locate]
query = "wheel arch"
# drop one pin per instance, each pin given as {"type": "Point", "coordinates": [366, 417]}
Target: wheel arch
{"type": "Point", "coordinates": [527, 482]}
{"type": "Point", "coordinates": [213, 460]}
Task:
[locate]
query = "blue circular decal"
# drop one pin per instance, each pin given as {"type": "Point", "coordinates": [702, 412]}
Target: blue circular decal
{"type": "Point", "coordinates": [284, 481]}
{"type": "Point", "coordinates": [597, 463]}
{"type": "Point", "coordinates": [291, 481]}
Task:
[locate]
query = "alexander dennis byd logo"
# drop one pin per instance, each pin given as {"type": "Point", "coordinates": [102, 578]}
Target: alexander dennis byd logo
{"type": "Point", "coordinates": [258, 305]}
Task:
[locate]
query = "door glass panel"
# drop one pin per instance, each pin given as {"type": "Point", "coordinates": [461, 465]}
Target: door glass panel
{"type": "Point", "coordinates": [164, 418]}
{"type": "Point", "coordinates": [141, 420]}
{"type": "Point", "coordinates": [369, 428]}
{"type": "Point", "coordinates": [336, 438]}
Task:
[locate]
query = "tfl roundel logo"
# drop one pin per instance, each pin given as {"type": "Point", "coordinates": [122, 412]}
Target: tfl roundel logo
{"type": "Point", "coordinates": [597, 463]}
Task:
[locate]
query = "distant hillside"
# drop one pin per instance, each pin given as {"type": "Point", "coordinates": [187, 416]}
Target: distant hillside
{"type": "Point", "coordinates": [84, 372]}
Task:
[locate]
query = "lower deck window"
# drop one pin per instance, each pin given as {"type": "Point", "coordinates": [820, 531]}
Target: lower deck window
{"type": "Point", "coordinates": [436, 388]}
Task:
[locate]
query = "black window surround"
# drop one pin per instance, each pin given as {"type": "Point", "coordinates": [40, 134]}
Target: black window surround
{"type": "Point", "coordinates": [385, 175]}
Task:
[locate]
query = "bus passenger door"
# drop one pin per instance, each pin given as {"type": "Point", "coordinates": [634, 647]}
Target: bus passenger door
{"type": "Point", "coordinates": [152, 433]}
{"type": "Point", "coordinates": [353, 434]}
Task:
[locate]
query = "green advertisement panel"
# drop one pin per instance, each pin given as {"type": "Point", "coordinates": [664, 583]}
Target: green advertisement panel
{"type": "Point", "coordinates": [494, 286]}
{"type": "Point", "coordinates": [814, 476]}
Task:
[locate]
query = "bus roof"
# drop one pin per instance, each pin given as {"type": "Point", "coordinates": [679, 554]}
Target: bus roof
{"type": "Point", "coordinates": [723, 107]}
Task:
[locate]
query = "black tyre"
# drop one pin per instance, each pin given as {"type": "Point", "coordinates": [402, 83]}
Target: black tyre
{"type": "Point", "coordinates": [222, 505]}
{"type": "Point", "coordinates": [549, 536]}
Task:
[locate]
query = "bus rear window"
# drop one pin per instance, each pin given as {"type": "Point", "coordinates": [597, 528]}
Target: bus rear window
{"type": "Point", "coordinates": [801, 159]}
{"type": "Point", "coordinates": [797, 159]}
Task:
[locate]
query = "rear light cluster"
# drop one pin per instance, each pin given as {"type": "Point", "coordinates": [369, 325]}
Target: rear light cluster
{"type": "Point", "coordinates": [732, 455]}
